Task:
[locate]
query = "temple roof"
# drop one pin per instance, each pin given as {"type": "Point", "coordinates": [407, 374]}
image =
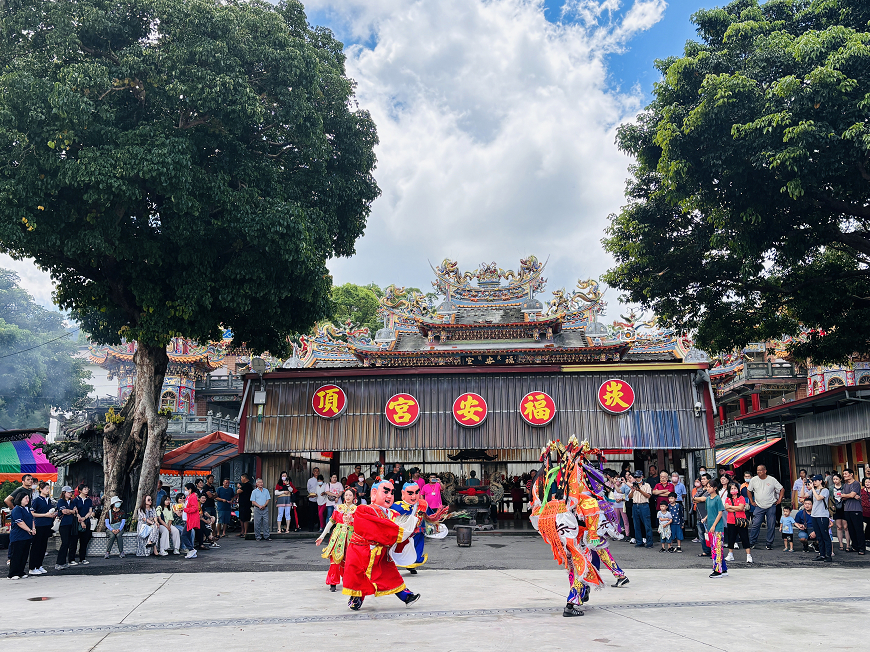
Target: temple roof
{"type": "Point", "coordinates": [186, 357]}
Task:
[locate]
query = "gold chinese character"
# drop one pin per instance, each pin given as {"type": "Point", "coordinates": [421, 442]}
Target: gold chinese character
{"type": "Point", "coordinates": [468, 409]}
{"type": "Point", "coordinates": [536, 408]}
{"type": "Point", "coordinates": [328, 400]}
{"type": "Point", "coordinates": [613, 394]}
{"type": "Point", "coordinates": [400, 406]}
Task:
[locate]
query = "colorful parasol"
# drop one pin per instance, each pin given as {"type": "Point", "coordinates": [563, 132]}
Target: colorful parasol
{"type": "Point", "coordinates": [25, 456]}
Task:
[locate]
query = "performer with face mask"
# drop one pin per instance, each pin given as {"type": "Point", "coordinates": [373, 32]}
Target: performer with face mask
{"type": "Point", "coordinates": [409, 554]}
{"type": "Point", "coordinates": [336, 549]}
{"type": "Point", "coordinates": [369, 569]}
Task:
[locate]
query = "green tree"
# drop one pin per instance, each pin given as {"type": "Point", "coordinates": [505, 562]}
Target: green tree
{"type": "Point", "coordinates": [357, 303]}
{"type": "Point", "coordinates": [38, 369]}
{"type": "Point", "coordinates": [179, 165]}
{"type": "Point", "coordinates": [749, 205]}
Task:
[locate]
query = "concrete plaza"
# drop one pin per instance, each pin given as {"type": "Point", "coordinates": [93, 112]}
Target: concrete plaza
{"type": "Point", "coordinates": [668, 608]}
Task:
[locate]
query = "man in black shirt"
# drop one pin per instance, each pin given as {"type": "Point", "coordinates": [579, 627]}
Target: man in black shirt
{"type": "Point", "coordinates": [209, 491]}
{"type": "Point", "coordinates": [653, 478]}
{"type": "Point", "coordinates": [244, 491]}
{"type": "Point", "coordinates": [397, 477]}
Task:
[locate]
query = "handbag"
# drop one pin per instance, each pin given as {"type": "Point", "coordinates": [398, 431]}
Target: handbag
{"type": "Point", "coordinates": [145, 531]}
{"type": "Point", "coordinates": [740, 521]}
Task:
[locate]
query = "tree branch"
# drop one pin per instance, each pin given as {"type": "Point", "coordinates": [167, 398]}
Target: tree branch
{"type": "Point", "coordinates": [100, 53]}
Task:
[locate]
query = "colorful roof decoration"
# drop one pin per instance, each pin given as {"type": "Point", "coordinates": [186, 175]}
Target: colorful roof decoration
{"type": "Point", "coordinates": [737, 455]}
{"type": "Point", "coordinates": [186, 357]}
{"type": "Point", "coordinates": [25, 456]}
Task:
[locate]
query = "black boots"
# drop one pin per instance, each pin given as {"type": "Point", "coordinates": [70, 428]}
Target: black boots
{"type": "Point", "coordinates": [572, 610]}
{"type": "Point", "coordinates": [355, 603]}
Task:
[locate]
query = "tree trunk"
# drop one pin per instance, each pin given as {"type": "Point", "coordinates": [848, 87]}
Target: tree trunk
{"type": "Point", "coordinates": [140, 438]}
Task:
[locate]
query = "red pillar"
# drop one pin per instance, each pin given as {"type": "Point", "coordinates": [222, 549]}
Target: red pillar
{"type": "Point", "coordinates": [721, 415]}
{"type": "Point", "coordinates": [742, 406]}
{"type": "Point", "coordinates": [756, 402]}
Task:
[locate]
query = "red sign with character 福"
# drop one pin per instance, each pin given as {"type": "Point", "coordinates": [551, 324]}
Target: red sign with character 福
{"type": "Point", "coordinates": [537, 408]}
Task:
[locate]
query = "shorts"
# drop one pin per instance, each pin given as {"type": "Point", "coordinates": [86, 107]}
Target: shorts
{"type": "Point", "coordinates": [223, 517]}
{"type": "Point", "coordinates": [245, 514]}
{"type": "Point", "coordinates": [676, 532]}
{"type": "Point", "coordinates": [787, 536]}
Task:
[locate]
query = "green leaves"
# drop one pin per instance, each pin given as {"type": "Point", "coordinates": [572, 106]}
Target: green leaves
{"type": "Point", "coordinates": [197, 162]}
{"type": "Point", "coordinates": [751, 186]}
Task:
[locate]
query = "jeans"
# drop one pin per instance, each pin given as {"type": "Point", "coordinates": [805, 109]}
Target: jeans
{"type": "Point", "coordinates": [329, 510]}
{"type": "Point", "coordinates": [111, 538]}
{"type": "Point", "coordinates": [261, 523]}
{"type": "Point", "coordinates": [823, 533]}
{"type": "Point", "coordinates": [642, 515]}
{"type": "Point", "coordinates": [186, 543]}
{"type": "Point", "coordinates": [758, 515]}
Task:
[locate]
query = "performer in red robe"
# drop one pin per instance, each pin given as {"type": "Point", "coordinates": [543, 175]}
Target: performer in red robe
{"type": "Point", "coordinates": [368, 568]}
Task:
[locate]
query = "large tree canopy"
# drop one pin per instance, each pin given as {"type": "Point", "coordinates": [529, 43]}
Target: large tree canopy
{"type": "Point", "coordinates": [178, 166]}
{"type": "Point", "coordinates": [749, 205]}
{"type": "Point", "coordinates": [38, 369]}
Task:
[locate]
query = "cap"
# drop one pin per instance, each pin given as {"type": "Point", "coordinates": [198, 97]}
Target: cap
{"type": "Point", "coordinates": [730, 474]}
{"type": "Point", "coordinates": [638, 474]}
{"type": "Point", "coordinates": [818, 477]}
{"type": "Point", "coordinates": [65, 488]}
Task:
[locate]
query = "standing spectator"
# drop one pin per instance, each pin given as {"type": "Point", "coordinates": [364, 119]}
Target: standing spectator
{"type": "Point", "coordinates": [736, 522]}
{"type": "Point", "coordinates": [653, 479]}
{"type": "Point", "coordinates": [115, 522]}
{"type": "Point", "coordinates": [148, 530]}
{"type": "Point", "coordinates": [417, 477]}
{"type": "Point", "coordinates": [223, 497]}
{"type": "Point", "coordinates": [724, 481]}
{"type": "Point", "coordinates": [312, 503]}
{"type": "Point", "coordinates": [679, 488]}
{"type": "Point", "coordinates": [43, 511]}
{"type": "Point", "coordinates": [821, 516]}
{"type": "Point", "coordinates": [334, 491]}
{"type": "Point", "coordinates": [169, 537]}
{"type": "Point", "coordinates": [803, 521]}
{"type": "Point", "coordinates": [865, 507]}
{"type": "Point", "coordinates": [716, 516]}
{"type": "Point", "coordinates": [627, 479]}
{"type": "Point", "coordinates": [191, 509]}
{"type": "Point", "coordinates": [665, 519]}
{"type": "Point", "coordinates": [640, 495]}
{"type": "Point", "coordinates": [473, 480]}
{"type": "Point", "coordinates": [243, 491]}
{"type": "Point", "coordinates": [210, 493]}
{"type": "Point", "coordinates": [397, 477]}
{"type": "Point", "coordinates": [744, 491]}
{"type": "Point", "coordinates": [620, 495]}
{"type": "Point", "coordinates": [67, 528]}
{"type": "Point", "coordinates": [321, 500]}
{"type": "Point", "coordinates": [662, 490]}
{"type": "Point", "coordinates": [361, 489]}
{"type": "Point", "coordinates": [21, 534]}
{"type": "Point", "coordinates": [260, 500]}
{"type": "Point", "coordinates": [765, 493]}
{"type": "Point", "coordinates": [528, 488]}
{"type": "Point", "coordinates": [851, 493]}
{"type": "Point", "coordinates": [786, 527]}
{"type": "Point", "coordinates": [84, 507]}
{"type": "Point", "coordinates": [284, 490]}
{"type": "Point", "coordinates": [161, 492]}
{"type": "Point", "coordinates": [179, 523]}
{"type": "Point", "coordinates": [800, 489]}
{"type": "Point", "coordinates": [836, 504]}
{"type": "Point", "coordinates": [200, 486]}
{"type": "Point", "coordinates": [678, 517]}
{"type": "Point", "coordinates": [431, 492]}
{"type": "Point", "coordinates": [700, 501]}
{"type": "Point", "coordinates": [25, 488]}
{"type": "Point", "coordinates": [352, 478]}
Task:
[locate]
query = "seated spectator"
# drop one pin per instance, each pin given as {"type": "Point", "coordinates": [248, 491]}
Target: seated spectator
{"type": "Point", "coordinates": [169, 536]}
{"type": "Point", "coordinates": [148, 532]}
{"type": "Point", "coordinates": [803, 522]}
{"type": "Point", "coordinates": [473, 480]}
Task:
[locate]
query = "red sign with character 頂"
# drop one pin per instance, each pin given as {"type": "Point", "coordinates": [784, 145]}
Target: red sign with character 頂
{"type": "Point", "coordinates": [470, 410]}
{"type": "Point", "coordinates": [329, 401]}
{"type": "Point", "coordinates": [537, 408]}
{"type": "Point", "coordinates": [616, 396]}
{"type": "Point", "coordinates": [402, 410]}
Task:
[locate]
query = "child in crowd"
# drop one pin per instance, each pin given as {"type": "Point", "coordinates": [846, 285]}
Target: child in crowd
{"type": "Point", "coordinates": [786, 527]}
{"type": "Point", "coordinates": [678, 517]}
{"type": "Point", "coordinates": [665, 520]}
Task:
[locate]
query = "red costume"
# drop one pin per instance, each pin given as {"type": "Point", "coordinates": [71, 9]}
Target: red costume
{"type": "Point", "coordinates": [368, 568]}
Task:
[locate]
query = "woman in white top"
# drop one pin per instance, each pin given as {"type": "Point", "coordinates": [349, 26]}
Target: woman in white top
{"type": "Point", "coordinates": [619, 494]}
{"type": "Point", "coordinates": [333, 492]}
{"type": "Point", "coordinates": [321, 501]}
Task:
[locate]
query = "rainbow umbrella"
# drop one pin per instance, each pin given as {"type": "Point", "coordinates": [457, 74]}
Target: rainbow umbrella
{"type": "Point", "coordinates": [25, 456]}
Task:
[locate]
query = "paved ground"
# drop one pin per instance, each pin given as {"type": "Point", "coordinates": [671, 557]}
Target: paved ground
{"type": "Point", "coordinates": [667, 609]}
{"type": "Point", "coordinates": [488, 552]}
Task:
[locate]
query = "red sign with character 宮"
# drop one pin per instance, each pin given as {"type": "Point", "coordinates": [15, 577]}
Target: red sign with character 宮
{"type": "Point", "coordinates": [402, 410]}
{"type": "Point", "coordinates": [616, 396]}
{"type": "Point", "coordinates": [537, 408]}
{"type": "Point", "coordinates": [329, 401]}
{"type": "Point", "coordinates": [470, 410]}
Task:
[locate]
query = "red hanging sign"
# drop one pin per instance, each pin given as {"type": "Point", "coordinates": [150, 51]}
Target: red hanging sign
{"type": "Point", "coordinates": [402, 410]}
{"type": "Point", "coordinates": [470, 410]}
{"type": "Point", "coordinates": [329, 401]}
{"type": "Point", "coordinates": [537, 408]}
{"type": "Point", "coordinates": [616, 396]}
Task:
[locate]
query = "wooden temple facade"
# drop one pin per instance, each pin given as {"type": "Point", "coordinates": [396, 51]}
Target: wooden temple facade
{"type": "Point", "coordinates": [481, 380]}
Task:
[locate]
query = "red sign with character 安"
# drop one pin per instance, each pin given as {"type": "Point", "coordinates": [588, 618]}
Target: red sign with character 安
{"type": "Point", "coordinates": [470, 410]}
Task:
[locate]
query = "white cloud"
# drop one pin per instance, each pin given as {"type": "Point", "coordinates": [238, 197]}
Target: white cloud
{"type": "Point", "coordinates": [497, 132]}
{"type": "Point", "coordinates": [33, 279]}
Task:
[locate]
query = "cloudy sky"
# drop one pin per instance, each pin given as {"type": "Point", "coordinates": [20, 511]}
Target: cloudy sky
{"type": "Point", "coordinates": [496, 121]}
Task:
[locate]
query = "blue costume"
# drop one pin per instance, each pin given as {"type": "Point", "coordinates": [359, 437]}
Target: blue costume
{"type": "Point", "coordinates": [409, 553]}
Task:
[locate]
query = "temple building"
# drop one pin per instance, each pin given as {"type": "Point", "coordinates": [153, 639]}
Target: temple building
{"type": "Point", "coordinates": [480, 379]}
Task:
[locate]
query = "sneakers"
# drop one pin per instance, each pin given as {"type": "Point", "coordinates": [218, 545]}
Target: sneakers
{"type": "Point", "coordinates": [332, 588]}
{"type": "Point", "coordinates": [663, 550]}
{"type": "Point", "coordinates": [730, 557]}
{"type": "Point", "coordinates": [696, 540]}
{"type": "Point", "coordinates": [15, 577]}
{"type": "Point", "coordinates": [106, 556]}
{"type": "Point", "coordinates": [38, 571]}
{"type": "Point", "coordinates": [174, 551]}
{"type": "Point", "coordinates": [768, 547]}
{"type": "Point", "coordinates": [622, 581]}
{"type": "Point", "coordinates": [191, 555]}
{"type": "Point", "coordinates": [820, 558]}
{"type": "Point", "coordinates": [572, 610]}
{"type": "Point", "coordinates": [73, 563]}
{"type": "Point", "coordinates": [84, 562]}
{"type": "Point", "coordinates": [59, 567]}
{"type": "Point", "coordinates": [121, 556]}
{"type": "Point", "coordinates": [633, 540]}
{"type": "Point", "coordinates": [748, 559]}
{"type": "Point", "coordinates": [164, 554]}
{"type": "Point", "coordinates": [411, 599]}
{"type": "Point", "coordinates": [716, 574]}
